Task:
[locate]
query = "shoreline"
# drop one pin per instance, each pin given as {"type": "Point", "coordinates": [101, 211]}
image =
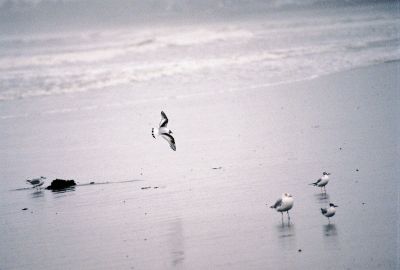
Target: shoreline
{"type": "Point", "coordinates": [182, 96]}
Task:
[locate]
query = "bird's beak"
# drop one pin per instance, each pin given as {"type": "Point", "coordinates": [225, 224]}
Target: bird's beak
{"type": "Point", "coordinates": [336, 205]}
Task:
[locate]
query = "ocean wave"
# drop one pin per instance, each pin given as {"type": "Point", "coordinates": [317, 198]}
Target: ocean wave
{"type": "Point", "coordinates": [259, 51]}
{"type": "Point", "coordinates": [278, 66]}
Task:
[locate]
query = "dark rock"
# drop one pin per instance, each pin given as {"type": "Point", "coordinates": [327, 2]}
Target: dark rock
{"type": "Point", "coordinates": [59, 184]}
{"type": "Point", "coordinates": [299, 250]}
{"type": "Point", "coordinates": [217, 168]}
{"type": "Point", "coordinates": [92, 183]}
{"type": "Point", "coordinates": [145, 187]}
{"type": "Point", "coordinates": [357, 170]}
{"type": "Point", "coordinates": [24, 208]}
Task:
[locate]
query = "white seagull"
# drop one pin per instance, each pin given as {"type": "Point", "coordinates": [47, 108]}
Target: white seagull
{"type": "Point", "coordinates": [284, 204]}
{"type": "Point", "coordinates": [164, 132]}
{"type": "Point", "coordinates": [330, 211]}
{"type": "Point", "coordinates": [36, 182]}
{"type": "Point", "coordinates": [322, 182]}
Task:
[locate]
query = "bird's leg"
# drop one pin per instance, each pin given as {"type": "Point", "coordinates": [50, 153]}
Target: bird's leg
{"type": "Point", "coordinates": [324, 189]}
{"type": "Point", "coordinates": [329, 221]}
{"type": "Point", "coordinates": [288, 217]}
{"type": "Point", "coordinates": [282, 217]}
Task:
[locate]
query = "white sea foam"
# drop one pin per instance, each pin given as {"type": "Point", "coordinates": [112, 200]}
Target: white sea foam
{"type": "Point", "coordinates": [259, 51]}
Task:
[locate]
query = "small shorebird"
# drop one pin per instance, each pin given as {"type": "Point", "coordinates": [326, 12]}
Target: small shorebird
{"type": "Point", "coordinates": [322, 182]}
{"type": "Point", "coordinates": [36, 182]}
{"type": "Point", "coordinates": [164, 132]}
{"type": "Point", "coordinates": [284, 204]}
{"type": "Point", "coordinates": [330, 211]}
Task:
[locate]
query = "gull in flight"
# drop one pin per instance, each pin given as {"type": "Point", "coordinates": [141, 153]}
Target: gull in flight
{"type": "Point", "coordinates": [284, 204]}
{"type": "Point", "coordinates": [36, 182]}
{"type": "Point", "coordinates": [322, 182]}
{"type": "Point", "coordinates": [164, 132]}
{"type": "Point", "coordinates": [330, 211]}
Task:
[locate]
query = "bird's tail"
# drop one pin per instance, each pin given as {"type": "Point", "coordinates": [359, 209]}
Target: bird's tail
{"type": "Point", "coordinates": [313, 184]}
{"type": "Point", "coordinates": [323, 210]}
{"type": "Point", "coordinates": [272, 206]}
{"type": "Point", "coordinates": [152, 133]}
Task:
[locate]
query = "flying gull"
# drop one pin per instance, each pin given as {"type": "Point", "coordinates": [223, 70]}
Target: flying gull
{"type": "Point", "coordinates": [322, 182]}
{"type": "Point", "coordinates": [164, 132]}
{"type": "Point", "coordinates": [330, 211]}
{"type": "Point", "coordinates": [284, 204]}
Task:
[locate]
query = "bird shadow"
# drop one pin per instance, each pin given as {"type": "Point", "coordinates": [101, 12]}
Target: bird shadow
{"type": "Point", "coordinates": [330, 229]}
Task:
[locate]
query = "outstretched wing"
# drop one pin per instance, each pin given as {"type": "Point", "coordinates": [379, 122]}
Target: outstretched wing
{"type": "Point", "coordinates": [164, 120]}
{"type": "Point", "coordinates": [170, 140]}
{"type": "Point", "coordinates": [277, 203]}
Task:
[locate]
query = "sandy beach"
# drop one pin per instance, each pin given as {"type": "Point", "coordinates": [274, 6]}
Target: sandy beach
{"type": "Point", "coordinates": [262, 98]}
{"type": "Point", "coordinates": [208, 203]}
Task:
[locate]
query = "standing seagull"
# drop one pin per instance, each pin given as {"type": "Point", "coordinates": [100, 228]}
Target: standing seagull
{"type": "Point", "coordinates": [164, 132]}
{"type": "Point", "coordinates": [322, 182]}
{"type": "Point", "coordinates": [284, 204]}
{"type": "Point", "coordinates": [36, 182]}
{"type": "Point", "coordinates": [330, 211]}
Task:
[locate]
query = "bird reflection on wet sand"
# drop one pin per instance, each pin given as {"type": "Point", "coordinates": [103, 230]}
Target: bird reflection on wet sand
{"type": "Point", "coordinates": [330, 230]}
{"type": "Point", "coordinates": [285, 230]}
{"type": "Point", "coordinates": [322, 198]}
{"type": "Point", "coordinates": [37, 194]}
{"type": "Point", "coordinates": [176, 243]}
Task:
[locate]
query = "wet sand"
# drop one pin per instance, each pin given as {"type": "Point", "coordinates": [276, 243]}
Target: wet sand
{"type": "Point", "coordinates": [262, 142]}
